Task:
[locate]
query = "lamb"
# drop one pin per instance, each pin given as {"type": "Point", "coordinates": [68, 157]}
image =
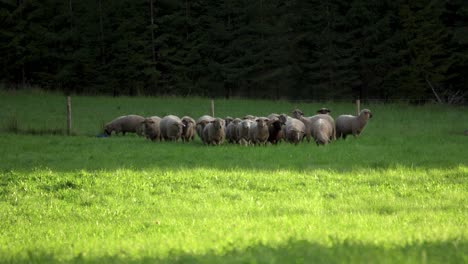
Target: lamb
{"type": "Point", "coordinates": [243, 131]}
{"type": "Point", "coordinates": [231, 131]}
{"type": "Point", "coordinates": [151, 128]}
{"type": "Point", "coordinates": [322, 131]}
{"type": "Point", "coordinates": [258, 133]}
{"type": "Point", "coordinates": [349, 124]}
{"type": "Point", "coordinates": [188, 130]}
{"type": "Point", "coordinates": [294, 129]}
{"type": "Point", "coordinates": [213, 133]}
{"type": "Point", "coordinates": [171, 128]}
{"type": "Point", "coordinates": [124, 124]}
{"type": "Point", "coordinates": [201, 123]}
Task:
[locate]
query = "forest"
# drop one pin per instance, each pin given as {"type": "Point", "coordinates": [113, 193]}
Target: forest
{"type": "Point", "coordinates": [327, 49]}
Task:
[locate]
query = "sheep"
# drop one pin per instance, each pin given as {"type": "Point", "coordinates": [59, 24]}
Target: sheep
{"type": "Point", "coordinates": [298, 114]}
{"type": "Point", "coordinates": [188, 130]}
{"type": "Point", "coordinates": [251, 117]}
{"type": "Point", "coordinates": [243, 131]}
{"type": "Point", "coordinates": [258, 133]}
{"type": "Point", "coordinates": [171, 128]}
{"type": "Point", "coordinates": [323, 111]}
{"type": "Point", "coordinates": [151, 128]}
{"type": "Point", "coordinates": [308, 121]}
{"type": "Point", "coordinates": [322, 131]}
{"type": "Point", "coordinates": [293, 129]}
{"type": "Point", "coordinates": [213, 133]}
{"type": "Point", "coordinates": [227, 120]}
{"type": "Point", "coordinates": [124, 124]}
{"type": "Point", "coordinates": [273, 116]}
{"type": "Point", "coordinates": [201, 123]}
{"type": "Point", "coordinates": [275, 130]}
{"type": "Point", "coordinates": [349, 124]}
{"type": "Point", "coordinates": [231, 131]}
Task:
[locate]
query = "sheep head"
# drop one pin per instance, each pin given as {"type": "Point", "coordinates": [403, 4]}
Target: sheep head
{"type": "Point", "coordinates": [324, 111]}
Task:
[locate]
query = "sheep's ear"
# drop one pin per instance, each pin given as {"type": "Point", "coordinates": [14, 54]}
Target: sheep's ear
{"type": "Point", "coordinates": [370, 115]}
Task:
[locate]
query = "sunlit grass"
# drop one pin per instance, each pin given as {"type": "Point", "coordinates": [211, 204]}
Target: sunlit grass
{"type": "Point", "coordinates": [134, 214]}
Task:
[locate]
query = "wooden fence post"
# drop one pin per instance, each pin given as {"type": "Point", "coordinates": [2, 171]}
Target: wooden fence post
{"type": "Point", "coordinates": [212, 108]}
{"type": "Point", "coordinates": [69, 118]}
{"type": "Point", "coordinates": [358, 106]}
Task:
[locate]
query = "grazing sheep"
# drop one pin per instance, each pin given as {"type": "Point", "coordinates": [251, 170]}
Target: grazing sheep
{"type": "Point", "coordinates": [349, 124]}
{"type": "Point", "coordinates": [231, 131]}
{"type": "Point", "coordinates": [201, 123]}
{"type": "Point", "coordinates": [124, 124]}
{"type": "Point", "coordinates": [188, 130]}
{"type": "Point", "coordinates": [243, 133]}
{"type": "Point", "coordinates": [213, 133]}
{"type": "Point", "coordinates": [151, 128]}
{"type": "Point", "coordinates": [293, 129]}
{"type": "Point", "coordinates": [275, 131]}
{"type": "Point", "coordinates": [171, 128]}
{"type": "Point", "coordinates": [258, 133]}
{"type": "Point", "coordinates": [323, 131]}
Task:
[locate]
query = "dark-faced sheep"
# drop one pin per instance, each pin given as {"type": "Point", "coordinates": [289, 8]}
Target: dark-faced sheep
{"type": "Point", "coordinates": [322, 131]}
{"type": "Point", "coordinates": [243, 131]}
{"type": "Point", "coordinates": [231, 131]}
{"type": "Point", "coordinates": [151, 128]}
{"type": "Point", "coordinates": [125, 124]}
{"type": "Point", "coordinates": [275, 130]}
{"type": "Point", "coordinates": [213, 133]}
{"type": "Point", "coordinates": [171, 128]}
{"type": "Point", "coordinates": [259, 133]}
{"type": "Point", "coordinates": [349, 124]}
{"type": "Point", "coordinates": [201, 123]}
{"type": "Point", "coordinates": [188, 130]}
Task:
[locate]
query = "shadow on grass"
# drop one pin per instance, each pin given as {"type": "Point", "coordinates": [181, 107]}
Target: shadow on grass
{"type": "Point", "coordinates": [291, 252]}
{"type": "Point", "coordinates": [61, 153]}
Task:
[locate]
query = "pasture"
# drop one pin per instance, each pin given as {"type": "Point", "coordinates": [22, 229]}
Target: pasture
{"type": "Point", "coordinates": [397, 194]}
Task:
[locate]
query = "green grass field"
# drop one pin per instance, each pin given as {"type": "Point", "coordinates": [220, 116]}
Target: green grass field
{"type": "Point", "coordinates": [397, 194]}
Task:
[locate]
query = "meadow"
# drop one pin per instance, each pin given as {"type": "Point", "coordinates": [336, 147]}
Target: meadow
{"type": "Point", "coordinates": [397, 194]}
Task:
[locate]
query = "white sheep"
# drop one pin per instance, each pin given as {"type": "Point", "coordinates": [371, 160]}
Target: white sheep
{"type": "Point", "coordinates": [171, 128]}
{"type": "Point", "coordinates": [349, 124]}
{"type": "Point", "coordinates": [322, 131]}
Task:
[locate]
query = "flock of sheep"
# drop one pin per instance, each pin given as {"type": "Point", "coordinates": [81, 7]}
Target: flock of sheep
{"type": "Point", "coordinates": [249, 130]}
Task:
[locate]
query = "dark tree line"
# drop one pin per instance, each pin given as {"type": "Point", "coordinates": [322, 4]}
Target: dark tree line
{"type": "Point", "coordinates": [257, 48]}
